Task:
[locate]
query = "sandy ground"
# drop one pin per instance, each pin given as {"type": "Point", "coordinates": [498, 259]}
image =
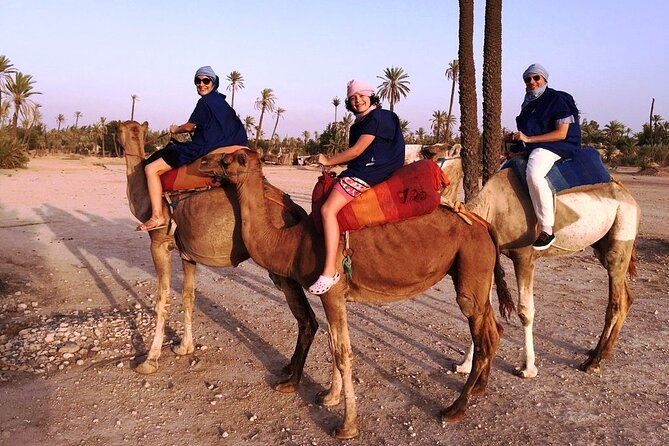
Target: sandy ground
{"type": "Point", "coordinates": [77, 291]}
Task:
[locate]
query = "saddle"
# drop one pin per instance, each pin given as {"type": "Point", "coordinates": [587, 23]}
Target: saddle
{"type": "Point", "coordinates": [413, 190]}
{"type": "Point", "coordinates": [584, 168]}
{"type": "Point", "coordinates": [189, 176]}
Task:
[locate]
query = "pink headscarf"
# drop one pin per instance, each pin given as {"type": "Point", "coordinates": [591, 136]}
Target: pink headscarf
{"type": "Point", "coordinates": [360, 87]}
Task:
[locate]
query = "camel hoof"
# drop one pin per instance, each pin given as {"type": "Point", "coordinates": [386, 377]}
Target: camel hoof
{"type": "Point", "coordinates": [453, 414]}
{"type": "Point", "coordinates": [148, 367]}
{"type": "Point", "coordinates": [182, 350]}
{"type": "Point", "coordinates": [478, 391]}
{"type": "Point", "coordinates": [286, 387]}
{"type": "Point", "coordinates": [463, 368]}
{"type": "Point", "coordinates": [327, 400]}
{"type": "Point", "coordinates": [346, 433]}
{"type": "Point", "coordinates": [591, 368]}
{"type": "Point", "coordinates": [527, 372]}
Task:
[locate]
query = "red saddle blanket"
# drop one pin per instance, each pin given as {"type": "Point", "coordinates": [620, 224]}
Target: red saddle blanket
{"type": "Point", "coordinates": [413, 190]}
{"type": "Point", "coordinates": [189, 176]}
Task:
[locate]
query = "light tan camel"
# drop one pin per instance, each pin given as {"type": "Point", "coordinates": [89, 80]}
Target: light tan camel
{"type": "Point", "coordinates": [208, 232]}
{"type": "Point", "coordinates": [605, 217]}
{"type": "Point", "coordinates": [390, 262]}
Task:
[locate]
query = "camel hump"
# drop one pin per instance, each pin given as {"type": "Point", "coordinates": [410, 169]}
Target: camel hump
{"type": "Point", "coordinates": [413, 190]}
{"type": "Point", "coordinates": [189, 175]}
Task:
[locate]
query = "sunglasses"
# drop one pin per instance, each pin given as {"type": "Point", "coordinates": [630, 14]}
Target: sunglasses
{"type": "Point", "coordinates": [535, 78]}
{"type": "Point", "coordinates": [205, 81]}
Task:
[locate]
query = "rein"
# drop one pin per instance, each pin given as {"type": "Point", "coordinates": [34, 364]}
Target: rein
{"type": "Point", "coordinates": [146, 143]}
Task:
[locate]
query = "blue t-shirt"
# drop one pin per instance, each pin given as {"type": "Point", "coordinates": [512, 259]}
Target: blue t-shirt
{"type": "Point", "coordinates": [384, 155]}
{"type": "Point", "coordinates": [217, 125]}
{"type": "Point", "coordinates": [540, 116]}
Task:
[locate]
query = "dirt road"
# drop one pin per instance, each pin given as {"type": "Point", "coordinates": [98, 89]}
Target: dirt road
{"type": "Point", "coordinates": [77, 290]}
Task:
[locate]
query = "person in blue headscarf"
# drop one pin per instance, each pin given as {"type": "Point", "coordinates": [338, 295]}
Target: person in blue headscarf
{"type": "Point", "coordinates": [548, 130]}
{"type": "Point", "coordinates": [213, 124]}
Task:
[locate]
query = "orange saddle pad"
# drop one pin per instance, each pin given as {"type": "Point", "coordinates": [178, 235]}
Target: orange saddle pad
{"type": "Point", "coordinates": [189, 176]}
{"type": "Point", "coordinates": [413, 190]}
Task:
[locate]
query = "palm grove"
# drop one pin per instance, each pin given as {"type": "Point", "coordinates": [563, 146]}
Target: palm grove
{"type": "Point", "coordinates": [23, 130]}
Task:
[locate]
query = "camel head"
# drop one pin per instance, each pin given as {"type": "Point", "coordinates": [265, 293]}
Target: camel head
{"type": "Point", "coordinates": [233, 167]}
{"type": "Point", "coordinates": [131, 136]}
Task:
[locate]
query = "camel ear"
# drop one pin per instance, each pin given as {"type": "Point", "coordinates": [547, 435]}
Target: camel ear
{"type": "Point", "coordinates": [455, 150]}
{"type": "Point", "coordinates": [145, 125]}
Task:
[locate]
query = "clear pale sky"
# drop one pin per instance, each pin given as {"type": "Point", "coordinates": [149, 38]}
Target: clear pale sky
{"type": "Point", "coordinates": [91, 56]}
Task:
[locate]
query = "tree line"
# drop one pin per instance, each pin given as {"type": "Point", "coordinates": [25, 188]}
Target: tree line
{"type": "Point", "coordinates": [22, 130]}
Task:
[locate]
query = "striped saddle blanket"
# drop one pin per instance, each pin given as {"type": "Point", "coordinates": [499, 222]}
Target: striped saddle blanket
{"type": "Point", "coordinates": [413, 190]}
{"type": "Point", "coordinates": [585, 167]}
{"type": "Point", "coordinates": [189, 176]}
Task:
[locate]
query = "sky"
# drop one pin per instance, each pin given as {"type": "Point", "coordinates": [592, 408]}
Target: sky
{"type": "Point", "coordinates": [92, 56]}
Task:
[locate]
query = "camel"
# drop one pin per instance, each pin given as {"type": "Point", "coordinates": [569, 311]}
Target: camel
{"type": "Point", "coordinates": [385, 269]}
{"type": "Point", "coordinates": [605, 217]}
{"type": "Point", "coordinates": [208, 232]}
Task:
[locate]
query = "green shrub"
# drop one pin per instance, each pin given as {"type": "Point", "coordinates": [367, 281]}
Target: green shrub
{"type": "Point", "coordinates": [13, 154]}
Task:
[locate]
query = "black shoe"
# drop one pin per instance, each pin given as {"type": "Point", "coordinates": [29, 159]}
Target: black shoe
{"type": "Point", "coordinates": [544, 241]}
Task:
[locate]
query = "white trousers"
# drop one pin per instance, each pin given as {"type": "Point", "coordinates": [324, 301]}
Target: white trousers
{"type": "Point", "coordinates": [538, 165]}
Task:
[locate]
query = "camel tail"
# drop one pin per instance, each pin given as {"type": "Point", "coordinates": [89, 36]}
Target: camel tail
{"type": "Point", "coordinates": [506, 304]}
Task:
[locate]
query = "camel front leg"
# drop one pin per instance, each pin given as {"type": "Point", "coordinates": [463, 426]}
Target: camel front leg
{"type": "Point", "coordinates": [342, 357]}
{"type": "Point", "coordinates": [187, 345]}
{"type": "Point", "coordinates": [160, 252]}
{"type": "Point", "coordinates": [523, 264]}
{"type": "Point", "coordinates": [307, 328]}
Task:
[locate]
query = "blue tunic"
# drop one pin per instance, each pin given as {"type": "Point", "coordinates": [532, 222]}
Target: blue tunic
{"type": "Point", "coordinates": [539, 117]}
{"type": "Point", "coordinates": [216, 125]}
{"type": "Point", "coordinates": [384, 155]}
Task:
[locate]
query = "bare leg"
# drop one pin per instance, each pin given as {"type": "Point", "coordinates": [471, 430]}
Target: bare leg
{"type": "Point", "coordinates": [329, 211]}
{"type": "Point", "coordinates": [153, 172]}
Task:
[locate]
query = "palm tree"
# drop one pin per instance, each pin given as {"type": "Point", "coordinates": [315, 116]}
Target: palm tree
{"type": "Point", "coordinates": [347, 122]}
{"type": "Point", "coordinates": [6, 69]}
{"type": "Point", "coordinates": [249, 124]}
{"type": "Point", "coordinates": [132, 112]}
{"type": "Point", "coordinates": [20, 89]}
{"type": "Point", "coordinates": [420, 135]}
{"type": "Point", "coordinates": [305, 135]}
{"type": "Point", "coordinates": [77, 115]}
{"type": "Point", "coordinates": [279, 114]}
{"type": "Point", "coordinates": [394, 86]}
{"type": "Point", "coordinates": [469, 136]}
{"type": "Point", "coordinates": [236, 83]}
{"type": "Point", "coordinates": [492, 88]}
{"type": "Point", "coordinates": [404, 127]}
{"type": "Point", "coordinates": [60, 119]}
{"type": "Point", "coordinates": [438, 121]}
{"type": "Point", "coordinates": [265, 102]}
{"type": "Point", "coordinates": [336, 103]}
{"type": "Point", "coordinates": [101, 128]}
{"type": "Point", "coordinates": [451, 73]}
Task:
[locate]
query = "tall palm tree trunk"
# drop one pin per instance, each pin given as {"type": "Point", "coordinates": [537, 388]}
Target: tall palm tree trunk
{"type": "Point", "coordinates": [471, 159]}
{"type": "Point", "coordinates": [492, 88]}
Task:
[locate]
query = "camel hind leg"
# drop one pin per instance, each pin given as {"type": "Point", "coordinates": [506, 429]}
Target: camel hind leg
{"type": "Point", "coordinates": [473, 282]}
{"type": "Point", "coordinates": [615, 256]}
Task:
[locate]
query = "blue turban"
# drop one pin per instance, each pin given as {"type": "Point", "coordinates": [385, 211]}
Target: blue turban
{"type": "Point", "coordinates": [536, 69]}
{"type": "Point", "coordinates": [209, 72]}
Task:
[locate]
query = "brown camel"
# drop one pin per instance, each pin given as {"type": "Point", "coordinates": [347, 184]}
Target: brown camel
{"type": "Point", "coordinates": [390, 262]}
{"type": "Point", "coordinates": [605, 217]}
{"type": "Point", "coordinates": [208, 232]}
